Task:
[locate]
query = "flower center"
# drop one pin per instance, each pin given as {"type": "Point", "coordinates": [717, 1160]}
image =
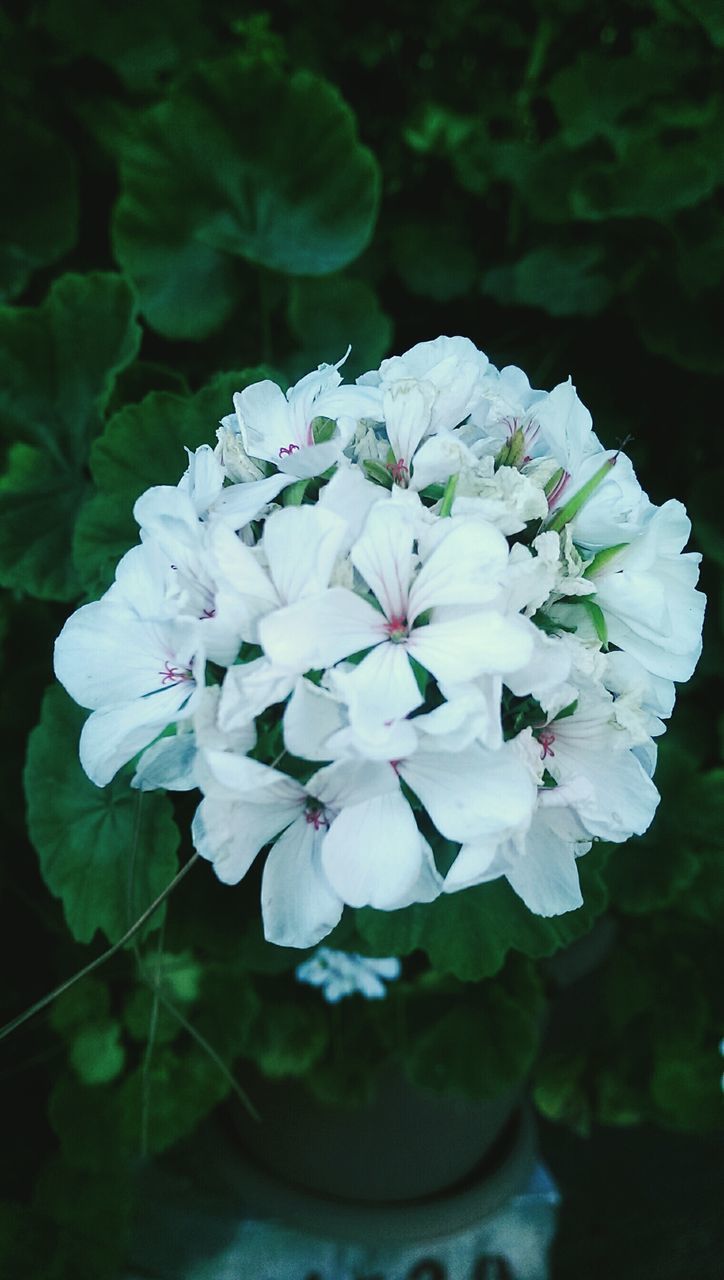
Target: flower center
{"type": "Point", "coordinates": [546, 739]}
{"type": "Point", "coordinates": [287, 450]}
{"type": "Point", "coordinates": [315, 816]}
{"type": "Point", "coordinates": [397, 629]}
{"type": "Point", "coordinates": [174, 675]}
{"type": "Point", "coordinates": [399, 471]}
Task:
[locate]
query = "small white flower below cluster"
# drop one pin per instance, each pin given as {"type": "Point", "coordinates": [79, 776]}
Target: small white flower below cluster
{"type": "Point", "coordinates": [343, 973]}
{"type": "Point", "coordinates": [425, 609]}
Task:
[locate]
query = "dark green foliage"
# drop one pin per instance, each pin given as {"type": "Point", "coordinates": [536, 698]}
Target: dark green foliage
{"type": "Point", "coordinates": [196, 188]}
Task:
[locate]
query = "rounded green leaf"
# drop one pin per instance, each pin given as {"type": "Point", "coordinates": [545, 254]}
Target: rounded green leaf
{"type": "Point", "coordinates": [239, 160]}
{"type": "Point", "coordinates": [39, 209]}
{"type": "Point", "coordinates": [326, 315]}
{"type": "Point", "coordinates": [58, 364]}
{"type": "Point", "coordinates": [102, 856]}
{"type": "Point", "coordinates": [564, 280]}
{"type": "Point", "coordinates": [469, 934]}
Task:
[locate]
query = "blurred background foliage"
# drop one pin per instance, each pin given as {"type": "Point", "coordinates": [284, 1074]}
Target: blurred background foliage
{"type": "Point", "coordinates": [195, 194]}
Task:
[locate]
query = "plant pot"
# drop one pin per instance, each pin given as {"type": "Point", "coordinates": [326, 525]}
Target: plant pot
{"type": "Point", "coordinates": [406, 1143]}
{"type": "Point", "coordinates": [487, 1185]}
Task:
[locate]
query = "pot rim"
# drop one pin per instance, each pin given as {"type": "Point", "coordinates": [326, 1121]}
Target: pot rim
{"type": "Point", "coordinates": [482, 1193]}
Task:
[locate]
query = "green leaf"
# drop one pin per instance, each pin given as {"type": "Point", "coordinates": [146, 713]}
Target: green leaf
{"type": "Point", "coordinates": [477, 1042]}
{"type": "Point", "coordinates": [564, 280]}
{"type": "Point", "coordinates": [39, 210]}
{"type": "Point", "coordinates": [328, 315]}
{"type": "Point", "coordinates": [469, 934]}
{"type": "Point", "coordinates": [39, 502]}
{"type": "Point", "coordinates": [90, 839]}
{"type": "Point", "coordinates": [434, 259]}
{"type": "Point", "coordinates": [239, 160]}
{"type": "Point", "coordinates": [96, 1053]}
{"type": "Point", "coordinates": [288, 1037]}
{"type": "Point", "coordinates": [141, 42]}
{"type": "Point", "coordinates": [58, 363]}
{"type": "Point", "coordinates": [143, 445]}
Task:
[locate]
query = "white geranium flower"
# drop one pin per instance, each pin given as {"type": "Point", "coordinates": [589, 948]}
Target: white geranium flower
{"type": "Point", "coordinates": [136, 675]}
{"type": "Point", "coordinates": [591, 751]}
{"type": "Point", "coordinates": [203, 482]}
{"type": "Point", "coordinates": [246, 805]}
{"type": "Point", "coordinates": [343, 973]}
{"type": "Point", "coordinates": [278, 427]}
{"type": "Point", "coordinates": [449, 369]}
{"type": "Point", "coordinates": [465, 568]}
{"type": "Point", "coordinates": [647, 595]}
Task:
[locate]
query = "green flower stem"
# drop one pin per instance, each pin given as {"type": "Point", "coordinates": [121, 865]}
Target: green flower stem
{"type": "Point", "coordinates": [601, 558]}
{"type": "Point", "coordinates": [575, 503]}
{"type": "Point", "coordinates": [99, 960]}
{"type": "Point", "coordinates": [448, 496]}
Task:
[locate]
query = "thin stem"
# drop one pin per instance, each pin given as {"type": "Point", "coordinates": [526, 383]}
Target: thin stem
{"type": "Point", "coordinates": [99, 960]}
{"type": "Point", "coordinates": [203, 1043]}
{"type": "Point", "coordinates": [151, 1040]}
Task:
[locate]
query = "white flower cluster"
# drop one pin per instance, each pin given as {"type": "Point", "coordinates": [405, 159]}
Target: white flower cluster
{"type": "Point", "coordinates": [343, 973]}
{"type": "Point", "coordinates": [427, 605]}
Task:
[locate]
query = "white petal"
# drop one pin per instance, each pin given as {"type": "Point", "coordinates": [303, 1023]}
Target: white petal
{"type": "Point", "coordinates": [168, 765]}
{"type": "Point", "coordinates": [301, 545]}
{"type": "Point", "coordinates": [381, 689]}
{"type": "Point", "coordinates": [204, 478]}
{"type": "Point", "coordinates": [105, 655]}
{"type": "Point", "coordinates": [407, 406]}
{"type": "Point", "coordinates": [350, 496]}
{"type": "Point", "coordinates": [256, 784]}
{"type": "Point", "coordinates": [311, 718]}
{"type": "Point", "coordinates": [566, 427]}
{"type": "Point", "coordinates": [317, 632]}
{"type": "Point", "coordinates": [264, 419]}
{"type": "Point", "coordinates": [229, 833]}
{"type": "Point", "coordinates": [245, 591]}
{"type": "Point", "coordinates": [383, 555]}
{"type": "Point", "coordinates": [351, 782]}
{"type": "Point", "coordinates": [481, 643]}
{"type": "Point", "coordinates": [473, 793]}
{"type": "Point", "coordinates": [426, 888]}
{"type": "Point", "coordinates": [240, 503]}
{"type": "Point", "coordinates": [248, 689]}
{"type": "Point", "coordinates": [298, 906]}
{"type": "Point", "coordinates": [372, 854]}
{"type": "Point", "coordinates": [546, 875]}
{"type": "Point", "coordinates": [477, 863]}
{"type": "Point", "coordinates": [112, 737]}
{"type": "Point", "coordinates": [466, 567]}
